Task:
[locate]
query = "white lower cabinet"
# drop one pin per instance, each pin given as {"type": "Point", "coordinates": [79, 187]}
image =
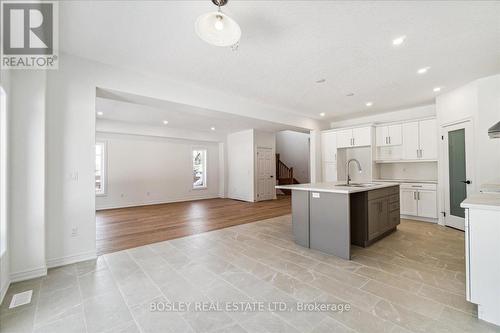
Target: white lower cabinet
{"type": "Point", "coordinates": [419, 200]}
{"type": "Point", "coordinates": [329, 172]}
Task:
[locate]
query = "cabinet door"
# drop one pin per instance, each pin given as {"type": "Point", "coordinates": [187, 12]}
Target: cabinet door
{"type": "Point", "coordinates": [395, 134]}
{"type": "Point", "coordinates": [385, 223]}
{"type": "Point", "coordinates": [427, 203]}
{"type": "Point", "coordinates": [410, 140]}
{"type": "Point", "coordinates": [374, 213]}
{"type": "Point", "coordinates": [344, 138]}
{"type": "Point", "coordinates": [329, 146]}
{"type": "Point", "coordinates": [428, 139]}
{"type": "Point", "coordinates": [408, 202]}
{"type": "Point", "coordinates": [381, 136]}
{"type": "Point", "coordinates": [329, 172]}
{"type": "Point", "coordinates": [362, 136]}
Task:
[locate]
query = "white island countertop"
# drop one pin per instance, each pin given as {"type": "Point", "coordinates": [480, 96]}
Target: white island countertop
{"type": "Point", "coordinates": [488, 201]}
{"type": "Point", "coordinates": [335, 187]}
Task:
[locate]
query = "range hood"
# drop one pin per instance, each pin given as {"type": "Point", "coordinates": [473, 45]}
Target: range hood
{"type": "Point", "coordinates": [494, 131]}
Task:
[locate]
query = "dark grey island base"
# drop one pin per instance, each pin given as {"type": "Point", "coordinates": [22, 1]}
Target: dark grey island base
{"type": "Point", "coordinates": [329, 218]}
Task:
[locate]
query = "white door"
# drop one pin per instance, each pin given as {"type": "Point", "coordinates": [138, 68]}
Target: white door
{"type": "Point", "coordinates": [408, 202]}
{"type": "Point", "coordinates": [329, 146]}
{"type": "Point", "coordinates": [395, 136]}
{"type": "Point", "coordinates": [265, 174]}
{"type": "Point", "coordinates": [410, 140]}
{"type": "Point", "coordinates": [362, 136]}
{"type": "Point", "coordinates": [382, 135]}
{"type": "Point", "coordinates": [457, 171]}
{"type": "Point", "coordinates": [329, 172]}
{"type": "Point", "coordinates": [428, 136]}
{"type": "Point", "coordinates": [427, 203]}
{"type": "Point", "coordinates": [344, 138]}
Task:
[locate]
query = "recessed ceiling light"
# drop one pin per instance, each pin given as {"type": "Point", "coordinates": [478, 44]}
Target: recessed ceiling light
{"type": "Point", "coordinates": [321, 81]}
{"type": "Point", "coordinates": [437, 89]}
{"type": "Point", "coordinates": [368, 104]}
{"type": "Point", "coordinates": [212, 128]}
{"type": "Point", "coordinates": [423, 70]}
{"type": "Point", "coordinates": [398, 41]}
{"type": "Point", "coordinates": [322, 114]}
{"type": "Point", "coordinates": [100, 113]}
{"type": "Point", "coordinates": [165, 122]}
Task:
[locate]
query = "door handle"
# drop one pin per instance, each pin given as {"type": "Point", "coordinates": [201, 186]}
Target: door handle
{"type": "Point", "coordinates": [468, 182]}
{"type": "Point", "coordinates": [386, 140]}
{"type": "Point", "coordinates": [418, 195]}
{"type": "Point", "coordinates": [414, 195]}
{"type": "Point", "coordinates": [389, 140]}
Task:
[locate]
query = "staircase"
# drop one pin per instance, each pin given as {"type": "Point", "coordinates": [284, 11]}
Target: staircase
{"type": "Point", "coordinates": [284, 174]}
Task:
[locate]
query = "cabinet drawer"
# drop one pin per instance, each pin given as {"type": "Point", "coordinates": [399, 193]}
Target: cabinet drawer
{"type": "Point", "coordinates": [394, 219]}
{"type": "Point", "coordinates": [394, 198]}
{"type": "Point", "coordinates": [394, 206]}
{"type": "Point", "coordinates": [383, 192]}
{"type": "Point", "coordinates": [420, 186]}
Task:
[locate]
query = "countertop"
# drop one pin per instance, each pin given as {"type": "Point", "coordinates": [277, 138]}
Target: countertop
{"type": "Point", "coordinates": [332, 187]}
{"type": "Point", "coordinates": [406, 181]}
{"type": "Point", "coordinates": [488, 201]}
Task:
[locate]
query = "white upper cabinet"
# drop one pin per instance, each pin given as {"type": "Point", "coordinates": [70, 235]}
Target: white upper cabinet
{"type": "Point", "coordinates": [390, 135]}
{"type": "Point", "coordinates": [410, 141]}
{"type": "Point", "coordinates": [420, 140]}
{"type": "Point", "coordinates": [428, 135]}
{"type": "Point", "coordinates": [329, 146]}
{"type": "Point", "coordinates": [355, 137]}
{"type": "Point", "coordinates": [344, 138]}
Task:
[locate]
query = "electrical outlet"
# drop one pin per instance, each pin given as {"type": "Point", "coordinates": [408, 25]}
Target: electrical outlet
{"type": "Point", "coordinates": [74, 231]}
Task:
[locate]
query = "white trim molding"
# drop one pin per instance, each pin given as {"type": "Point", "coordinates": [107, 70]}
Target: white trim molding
{"type": "Point", "coordinates": [4, 289]}
{"type": "Point", "coordinates": [51, 263]}
{"type": "Point", "coordinates": [28, 274]}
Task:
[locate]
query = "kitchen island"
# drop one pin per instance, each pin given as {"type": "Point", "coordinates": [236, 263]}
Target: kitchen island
{"type": "Point", "coordinates": [330, 216]}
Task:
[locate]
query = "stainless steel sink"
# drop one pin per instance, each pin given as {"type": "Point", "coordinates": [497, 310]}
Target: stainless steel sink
{"type": "Point", "coordinates": [358, 185]}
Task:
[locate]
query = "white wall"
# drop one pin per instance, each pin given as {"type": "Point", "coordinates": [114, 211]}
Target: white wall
{"type": "Point", "coordinates": [399, 115]}
{"type": "Point", "coordinates": [293, 148]}
{"type": "Point", "coordinates": [478, 101]}
{"type": "Point", "coordinates": [149, 170]}
{"type": "Point", "coordinates": [27, 174]}
{"type": "Point", "coordinates": [4, 172]}
{"type": "Point", "coordinates": [240, 165]}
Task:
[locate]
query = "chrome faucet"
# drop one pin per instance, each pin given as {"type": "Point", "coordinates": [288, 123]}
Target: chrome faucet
{"type": "Point", "coordinates": [347, 167]}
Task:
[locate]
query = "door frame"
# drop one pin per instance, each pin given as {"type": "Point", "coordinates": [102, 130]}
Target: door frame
{"type": "Point", "coordinates": [273, 171]}
{"type": "Point", "coordinates": [468, 125]}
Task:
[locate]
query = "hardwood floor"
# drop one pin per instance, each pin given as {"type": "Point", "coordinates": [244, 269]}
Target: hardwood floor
{"type": "Point", "coordinates": [124, 228]}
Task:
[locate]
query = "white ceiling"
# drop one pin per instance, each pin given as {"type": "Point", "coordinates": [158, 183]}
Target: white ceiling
{"type": "Point", "coordinates": [287, 45]}
{"type": "Point", "coordinates": [134, 109]}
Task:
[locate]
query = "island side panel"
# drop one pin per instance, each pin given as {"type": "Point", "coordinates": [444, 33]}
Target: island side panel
{"type": "Point", "coordinates": [329, 223]}
{"type": "Point", "coordinates": [300, 217]}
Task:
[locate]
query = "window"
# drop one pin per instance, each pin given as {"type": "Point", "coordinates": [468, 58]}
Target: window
{"type": "Point", "coordinates": [199, 168]}
{"type": "Point", "coordinates": [100, 168]}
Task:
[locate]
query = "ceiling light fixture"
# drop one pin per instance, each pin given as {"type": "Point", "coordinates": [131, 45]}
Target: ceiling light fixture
{"type": "Point", "coordinates": [321, 81]}
{"type": "Point", "coordinates": [100, 113]}
{"type": "Point", "coordinates": [165, 122]}
{"type": "Point", "coordinates": [437, 89]}
{"type": "Point", "coordinates": [399, 41]}
{"type": "Point", "coordinates": [423, 70]}
{"type": "Point", "coordinates": [368, 104]}
{"type": "Point", "coordinates": [212, 128]}
{"type": "Point", "coordinates": [350, 94]}
{"type": "Point", "coordinates": [217, 28]}
{"type": "Point", "coordinates": [322, 114]}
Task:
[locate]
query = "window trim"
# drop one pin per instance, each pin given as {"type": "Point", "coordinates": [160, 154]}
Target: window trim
{"type": "Point", "coordinates": [205, 164]}
{"type": "Point", "coordinates": [104, 180]}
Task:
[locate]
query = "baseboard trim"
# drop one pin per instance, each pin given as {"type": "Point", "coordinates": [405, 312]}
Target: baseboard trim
{"type": "Point", "coordinates": [28, 274]}
{"type": "Point", "coordinates": [4, 289]}
{"type": "Point", "coordinates": [51, 263]}
{"type": "Point", "coordinates": [139, 204]}
{"type": "Point", "coordinates": [419, 218]}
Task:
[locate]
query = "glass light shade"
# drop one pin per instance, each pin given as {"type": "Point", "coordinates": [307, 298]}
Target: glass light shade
{"type": "Point", "coordinates": [218, 29]}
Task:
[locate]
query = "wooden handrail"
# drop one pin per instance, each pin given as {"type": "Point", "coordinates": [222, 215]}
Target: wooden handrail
{"type": "Point", "coordinates": [282, 170]}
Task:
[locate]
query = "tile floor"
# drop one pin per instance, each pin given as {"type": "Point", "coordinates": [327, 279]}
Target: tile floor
{"type": "Point", "coordinates": [411, 281]}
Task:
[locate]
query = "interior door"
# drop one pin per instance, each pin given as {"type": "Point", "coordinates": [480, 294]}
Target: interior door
{"type": "Point", "coordinates": [457, 147]}
{"type": "Point", "coordinates": [410, 140]}
{"type": "Point", "coordinates": [265, 174]}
